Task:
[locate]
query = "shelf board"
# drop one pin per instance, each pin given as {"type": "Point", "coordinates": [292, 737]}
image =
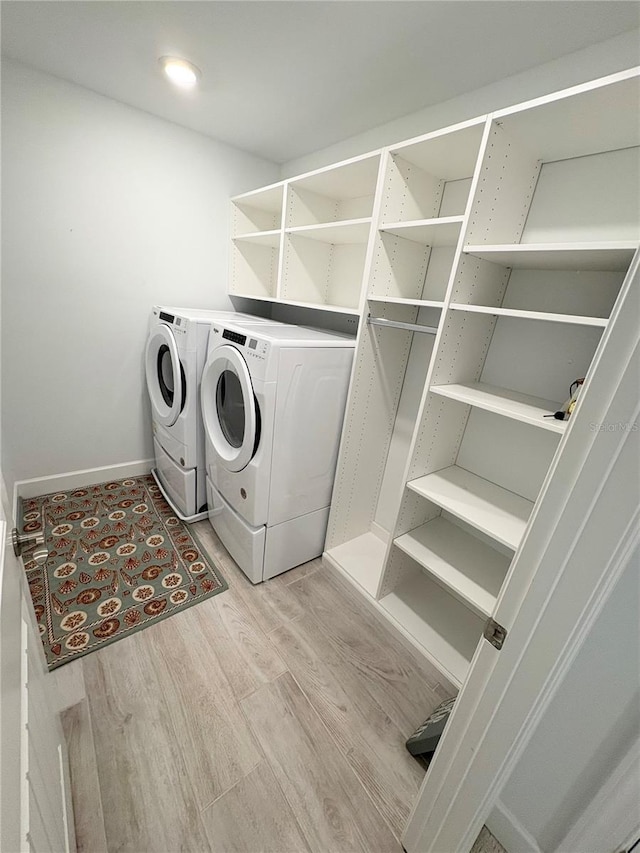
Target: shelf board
{"type": "Point", "coordinates": [503, 401]}
{"type": "Point", "coordinates": [612, 257]}
{"type": "Point", "coordinates": [450, 153]}
{"type": "Point", "coordinates": [489, 508]}
{"type": "Point", "coordinates": [362, 559]}
{"type": "Point", "coordinates": [268, 198]}
{"type": "Point", "coordinates": [261, 238]}
{"type": "Point", "coordinates": [467, 567]}
{"type": "Point", "coordinates": [318, 306]}
{"type": "Point", "coordinates": [545, 316]}
{"type": "Point", "coordinates": [606, 114]}
{"type": "Point", "coordinates": [253, 296]}
{"type": "Point", "coordinates": [447, 631]}
{"type": "Point", "coordinates": [346, 231]}
{"type": "Point", "coordinates": [398, 300]}
{"type": "Point", "coordinates": [354, 178]}
{"type": "Point", "coordinates": [428, 232]}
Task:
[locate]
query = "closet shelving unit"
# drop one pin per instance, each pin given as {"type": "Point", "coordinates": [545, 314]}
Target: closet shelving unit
{"type": "Point", "coordinates": [419, 215]}
{"type": "Point", "coordinates": [510, 237]}
{"type": "Point", "coordinates": [552, 229]}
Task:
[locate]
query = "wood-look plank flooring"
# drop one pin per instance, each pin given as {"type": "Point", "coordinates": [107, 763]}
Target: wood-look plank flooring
{"type": "Point", "coordinates": [267, 718]}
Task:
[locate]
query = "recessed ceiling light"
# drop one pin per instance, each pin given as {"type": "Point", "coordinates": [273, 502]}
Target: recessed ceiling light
{"type": "Point", "coordinates": [180, 72]}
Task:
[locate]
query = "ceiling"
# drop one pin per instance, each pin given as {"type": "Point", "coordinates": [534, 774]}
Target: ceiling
{"type": "Point", "coordinates": [283, 79]}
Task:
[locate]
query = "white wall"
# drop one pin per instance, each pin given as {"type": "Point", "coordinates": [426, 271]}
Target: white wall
{"type": "Point", "coordinates": [587, 729]}
{"type": "Point", "coordinates": [607, 57]}
{"type": "Point", "coordinates": [106, 210]}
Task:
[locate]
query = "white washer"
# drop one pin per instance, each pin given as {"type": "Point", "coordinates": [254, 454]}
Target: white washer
{"type": "Point", "coordinates": [273, 400]}
{"type": "Point", "coordinates": [174, 357]}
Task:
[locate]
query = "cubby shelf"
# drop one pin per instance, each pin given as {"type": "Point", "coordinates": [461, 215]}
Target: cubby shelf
{"type": "Point", "coordinates": [346, 231]}
{"type": "Point", "coordinates": [492, 510]}
{"type": "Point", "coordinates": [321, 306]}
{"type": "Point", "coordinates": [504, 401]}
{"type": "Point", "coordinates": [241, 295]}
{"type": "Point", "coordinates": [546, 316]}
{"type": "Point", "coordinates": [362, 559]}
{"type": "Point", "coordinates": [258, 211]}
{"type": "Point", "coordinates": [566, 256]}
{"type": "Point", "coordinates": [428, 232]}
{"type": "Point", "coordinates": [260, 238]}
{"type": "Point", "coordinates": [445, 629]}
{"type": "Point", "coordinates": [397, 300]}
{"type": "Point", "coordinates": [461, 563]}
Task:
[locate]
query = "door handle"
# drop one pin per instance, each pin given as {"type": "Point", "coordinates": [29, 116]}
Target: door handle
{"type": "Point", "coordinates": [20, 541]}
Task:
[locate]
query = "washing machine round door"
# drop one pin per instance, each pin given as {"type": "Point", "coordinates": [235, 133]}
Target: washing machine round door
{"type": "Point", "coordinates": [166, 381]}
{"type": "Point", "coordinates": [229, 408]}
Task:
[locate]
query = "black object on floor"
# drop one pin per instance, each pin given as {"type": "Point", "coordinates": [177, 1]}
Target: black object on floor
{"type": "Point", "coordinates": [425, 738]}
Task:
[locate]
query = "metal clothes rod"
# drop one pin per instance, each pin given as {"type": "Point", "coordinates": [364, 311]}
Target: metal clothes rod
{"type": "Point", "coordinates": [396, 324]}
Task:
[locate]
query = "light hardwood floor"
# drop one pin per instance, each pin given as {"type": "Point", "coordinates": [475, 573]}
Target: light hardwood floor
{"type": "Point", "coordinates": [267, 718]}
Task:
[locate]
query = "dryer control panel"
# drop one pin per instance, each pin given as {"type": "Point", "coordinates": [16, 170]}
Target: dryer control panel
{"type": "Point", "coordinates": [254, 348]}
{"type": "Point", "coordinates": [251, 348]}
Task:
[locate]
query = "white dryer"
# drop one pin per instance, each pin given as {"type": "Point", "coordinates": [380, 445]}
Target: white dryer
{"type": "Point", "coordinates": [273, 401]}
{"type": "Point", "coordinates": [174, 357]}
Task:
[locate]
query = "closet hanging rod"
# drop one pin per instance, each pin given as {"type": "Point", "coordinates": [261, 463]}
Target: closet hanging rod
{"type": "Point", "coordinates": [396, 324]}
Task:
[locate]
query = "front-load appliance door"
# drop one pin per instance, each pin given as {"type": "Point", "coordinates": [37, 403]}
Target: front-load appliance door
{"type": "Point", "coordinates": [229, 408]}
{"type": "Point", "coordinates": [166, 380]}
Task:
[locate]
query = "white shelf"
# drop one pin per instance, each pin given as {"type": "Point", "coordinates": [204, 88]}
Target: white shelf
{"type": "Point", "coordinates": [500, 514]}
{"type": "Point", "coordinates": [397, 300]}
{"type": "Point", "coordinates": [346, 231]}
{"type": "Point", "coordinates": [267, 198]}
{"type": "Point", "coordinates": [260, 238]}
{"type": "Point", "coordinates": [467, 567]}
{"type": "Point", "coordinates": [575, 124]}
{"type": "Point", "coordinates": [241, 295]}
{"type": "Point", "coordinates": [612, 257]}
{"type": "Point", "coordinates": [350, 179]}
{"type": "Point", "coordinates": [337, 309]}
{"type": "Point", "coordinates": [450, 153]}
{"type": "Point", "coordinates": [258, 211]}
{"type": "Point", "coordinates": [503, 401]}
{"type": "Point", "coordinates": [546, 316]}
{"type": "Point", "coordinates": [428, 232]}
{"type": "Point", "coordinates": [362, 559]}
{"type": "Point", "coordinates": [446, 630]}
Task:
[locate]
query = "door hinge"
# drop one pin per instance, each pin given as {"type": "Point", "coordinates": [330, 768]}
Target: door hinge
{"type": "Point", "coordinates": [495, 633]}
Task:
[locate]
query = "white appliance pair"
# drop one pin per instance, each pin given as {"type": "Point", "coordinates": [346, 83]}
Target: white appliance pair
{"type": "Point", "coordinates": [175, 354]}
{"type": "Point", "coordinates": [273, 401]}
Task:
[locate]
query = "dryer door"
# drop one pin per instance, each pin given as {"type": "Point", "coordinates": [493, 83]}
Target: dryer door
{"type": "Point", "coordinates": [229, 408]}
{"type": "Point", "coordinates": [166, 381]}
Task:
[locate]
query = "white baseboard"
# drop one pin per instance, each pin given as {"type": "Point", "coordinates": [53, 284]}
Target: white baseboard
{"type": "Point", "coordinates": [508, 830]}
{"type": "Point", "coordinates": [78, 479]}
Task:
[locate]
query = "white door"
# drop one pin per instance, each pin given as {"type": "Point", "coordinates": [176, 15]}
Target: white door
{"type": "Point", "coordinates": [579, 543]}
{"type": "Point", "coordinates": [166, 380]}
{"type": "Point", "coordinates": [229, 408]}
{"type": "Point", "coordinates": [35, 805]}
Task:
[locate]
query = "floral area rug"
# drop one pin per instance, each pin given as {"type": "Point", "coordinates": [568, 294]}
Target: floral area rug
{"type": "Point", "coordinates": [119, 560]}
